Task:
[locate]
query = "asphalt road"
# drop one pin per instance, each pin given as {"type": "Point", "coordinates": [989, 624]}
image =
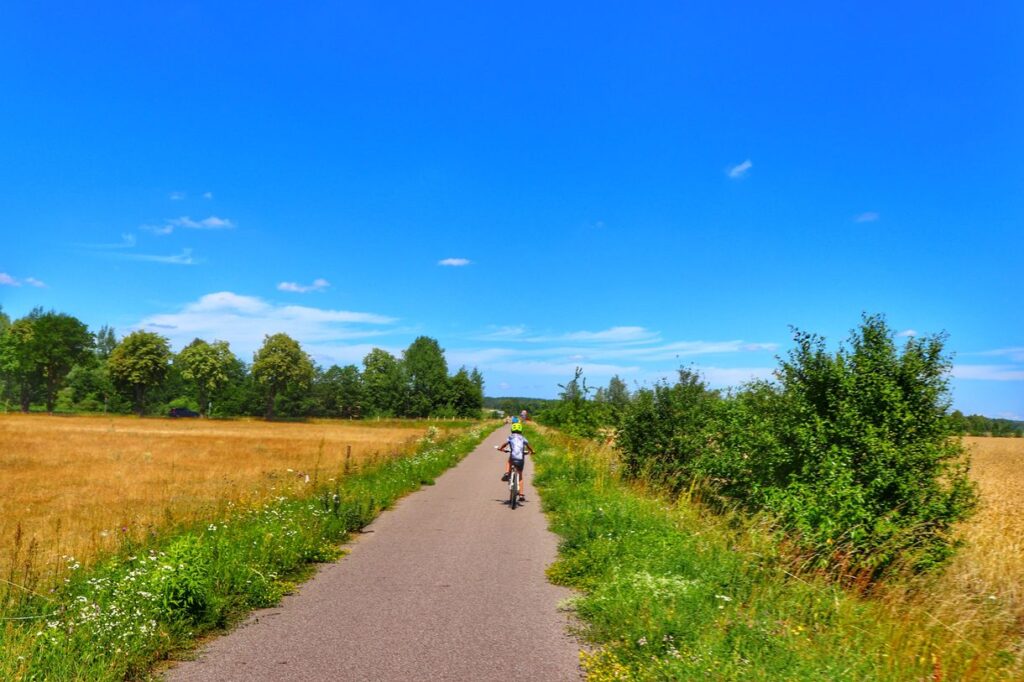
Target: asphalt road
{"type": "Point", "coordinates": [448, 585]}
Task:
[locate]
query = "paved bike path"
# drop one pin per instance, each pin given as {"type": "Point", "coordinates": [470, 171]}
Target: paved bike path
{"type": "Point", "coordinates": [424, 594]}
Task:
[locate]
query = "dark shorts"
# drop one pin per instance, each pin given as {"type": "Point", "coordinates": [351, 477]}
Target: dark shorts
{"type": "Point", "coordinates": [517, 463]}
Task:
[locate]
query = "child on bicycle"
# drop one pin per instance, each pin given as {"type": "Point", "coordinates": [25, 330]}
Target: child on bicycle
{"type": "Point", "coordinates": [517, 448]}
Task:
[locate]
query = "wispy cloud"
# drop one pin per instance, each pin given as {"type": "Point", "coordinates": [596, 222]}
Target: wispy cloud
{"type": "Point", "coordinates": [11, 281]}
{"type": "Point", "coordinates": [631, 351]}
{"type": "Point", "coordinates": [183, 258]}
{"type": "Point", "coordinates": [866, 217]}
{"type": "Point", "coordinates": [739, 170]}
{"type": "Point", "coordinates": [633, 342]}
{"type": "Point", "coordinates": [616, 335]}
{"type": "Point", "coordinates": [1014, 354]}
{"type": "Point", "coordinates": [128, 241]}
{"type": "Point", "coordinates": [454, 262]}
{"type": "Point", "coordinates": [207, 195]}
{"type": "Point", "coordinates": [177, 196]}
{"type": "Point", "coordinates": [989, 372]}
{"type": "Point", "coordinates": [318, 285]}
{"type": "Point", "coordinates": [907, 333]}
{"type": "Point", "coordinates": [210, 223]}
{"type": "Point", "coordinates": [613, 335]}
{"type": "Point", "coordinates": [244, 321]}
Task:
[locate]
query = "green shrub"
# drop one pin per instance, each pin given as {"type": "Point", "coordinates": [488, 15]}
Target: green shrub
{"type": "Point", "coordinates": [853, 452]}
{"type": "Point", "coordinates": [668, 429]}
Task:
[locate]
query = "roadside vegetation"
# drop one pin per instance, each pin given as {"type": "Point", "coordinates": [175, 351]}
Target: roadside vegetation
{"type": "Point", "coordinates": [50, 361]}
{"type": "Point", "coordinates": [820, 525]}
{"type": "Point", "coordinates": [851, 452]}
{"type": "Point", "coordinates": [672, 588]}
{"type": "Point", "coordinates": [158, 593]}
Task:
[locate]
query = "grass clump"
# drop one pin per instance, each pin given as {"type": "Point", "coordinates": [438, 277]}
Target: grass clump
{"type": "Point", "coordinates": [670, 591]}
{"type": "Point", "coordinates": [113, 621]}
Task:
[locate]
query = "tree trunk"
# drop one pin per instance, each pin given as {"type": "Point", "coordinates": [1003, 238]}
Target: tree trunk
{"type": "Point", "coordinates": [270, 404]}
{"type": "Point", "coordinates": [25, 398]}
{"type": "Point", "coordinates": [140, 399]}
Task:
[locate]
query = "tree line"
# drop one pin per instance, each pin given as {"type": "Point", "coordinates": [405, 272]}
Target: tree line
{"type": "Point", "coordinates": [853, 453]}
{"type": "Point", "coordinates": [979, 425]}
{"type": "Point", "coordinates": [53, 360]}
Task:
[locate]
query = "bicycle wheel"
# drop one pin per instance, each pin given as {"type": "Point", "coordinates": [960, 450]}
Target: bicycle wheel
{"type": "Point", "coordinates": [513, 488]}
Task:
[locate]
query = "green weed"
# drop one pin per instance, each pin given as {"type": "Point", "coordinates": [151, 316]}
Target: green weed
{"type": "Point", "coordinates": [671, 592]}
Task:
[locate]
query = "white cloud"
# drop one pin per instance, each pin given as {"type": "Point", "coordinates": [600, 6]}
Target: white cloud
{"type": "Point", "coordinates": [183, 258]}
{"type": "Point", "coordinates": [907, 333]}
{"type": "Point", "coordinates": [318, 284]}
{"type": "Point", "coordinates": [454, 262]}
{"type": "Point", "coordinates": [1014, 354]}
{"type": "Point", "coordinates": [739, 170]}
{"type": "Point", "coordinates": [866, 217]}
{"type": "Point", "coordinates": [614, 335]}
{"type": "Point", "coordinates": [508, 333]}
{"type": "Point", "coordinates": [207, 195]}
{"type": "Point", "coordinates": [9, 281]}
{"type": "Point", "coordinates": [211, 223]}
{"type": "Point", "coordinates": [177, 196]}
{"type": "Point", "coordinates": [989, 372]}
{"type": "Point", "coordinates": [637, 344]}
{"type": "Point", "coordinates": [724, 377]}
{"type": "Point", "coordinates": [245, 320]}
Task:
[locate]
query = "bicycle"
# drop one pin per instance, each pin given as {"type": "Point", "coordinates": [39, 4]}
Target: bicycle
{"type": "Point", "coordinates": [513, 487]}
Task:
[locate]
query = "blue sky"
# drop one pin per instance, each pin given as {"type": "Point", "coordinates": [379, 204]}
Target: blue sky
{"type": "Point", "coordinates": [537, 186]}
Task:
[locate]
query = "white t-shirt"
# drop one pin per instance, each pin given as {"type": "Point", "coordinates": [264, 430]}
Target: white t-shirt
{"type": "Point", "coordinates": [517, 446]}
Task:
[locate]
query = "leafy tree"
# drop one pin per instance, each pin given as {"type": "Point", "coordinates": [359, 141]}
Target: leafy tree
{"type": "Point", "coordinates": [60, 341]}
{"type": "Point", "coordinates": [617, 393]}
{"type": "Point", "coordinates": [384, 383]}
{"type": "Point", "coordinates": [278, 365]}
{"type": "Point", "coordinates": [106, 342]}
{"type": "Point", "coordinates": [92, 389]}
{"type": "Point", "coordinates": [575, 412]}
{"type": "Point", "coordinates": [5, 321]}
{"type": "Point", "coordinates": [241, 396]}
{"type": "Point", "coordinates": [207, 366]}
{"type": "Point", "coordinates": [349, 393]}
{"type": "Point", "coordinates": [851, 451]}
{"type": "Point", "coordinates": [427, 373]}
{"type": "Point", "coordinates": [466, 394]}
{"type": "Point", "coordinates": [666, 429]}
{"type": "Point", "coordinates": [18, 362]}
{"type": "Point", "coordinates": [139, 363]}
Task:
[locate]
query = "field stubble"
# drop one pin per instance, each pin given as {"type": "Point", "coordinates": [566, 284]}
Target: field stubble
{"type": "Point", "coordinates": [981, 594]}
{"type": "Point", "coordinates": [79, 486]}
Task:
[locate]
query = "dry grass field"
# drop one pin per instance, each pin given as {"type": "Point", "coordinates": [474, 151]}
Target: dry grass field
{"type": "Point", "coordinates": [990, 568]}
{"type": "Point", "coordinates": [978, 601]}
{"type": "Point", "coordinates": [76, 485]}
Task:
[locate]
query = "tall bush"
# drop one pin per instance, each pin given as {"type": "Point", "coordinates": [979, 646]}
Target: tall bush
{"type": "Point", "coordinates": [668, 429]}
{"type": "Point", "coordinates": [852, 452]}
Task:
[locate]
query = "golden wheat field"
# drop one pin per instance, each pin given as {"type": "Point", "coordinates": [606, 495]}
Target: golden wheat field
{"type": "Point", "coordinates": [76, 485]}
{"type": "Point", "coordinates": [991, 564]}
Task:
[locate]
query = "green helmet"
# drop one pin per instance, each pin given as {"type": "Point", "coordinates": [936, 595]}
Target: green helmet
{"type": "Point", "coordinates": [517, 427]}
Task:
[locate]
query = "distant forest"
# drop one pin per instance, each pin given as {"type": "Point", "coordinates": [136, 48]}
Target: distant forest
{"type": "Point", "coordinates": [978, 425]}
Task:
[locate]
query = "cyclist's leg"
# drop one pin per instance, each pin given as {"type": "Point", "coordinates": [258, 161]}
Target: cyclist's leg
{"type": "Point", "coordinates": [520, 466]}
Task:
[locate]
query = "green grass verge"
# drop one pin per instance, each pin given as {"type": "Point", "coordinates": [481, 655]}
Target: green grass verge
{"type": "Point", "coordinates": [117, 619]}
{"type": "Point", "coordinates": [669, 593]}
